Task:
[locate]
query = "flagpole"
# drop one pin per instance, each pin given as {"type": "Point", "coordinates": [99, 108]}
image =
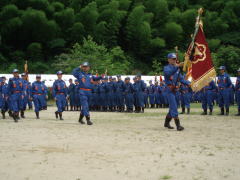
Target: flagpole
{"type": "Point", "coordinates": [197, 25]}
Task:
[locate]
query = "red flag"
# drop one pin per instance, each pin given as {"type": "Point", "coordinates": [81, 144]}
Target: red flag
{"type": "Point", "coordinates": [161, 80]}
{"type": "Point", "coordinates": [203, 71]}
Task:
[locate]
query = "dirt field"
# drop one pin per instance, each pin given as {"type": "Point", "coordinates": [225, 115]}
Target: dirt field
{"type": "Point", "coordinates": [120, 146]}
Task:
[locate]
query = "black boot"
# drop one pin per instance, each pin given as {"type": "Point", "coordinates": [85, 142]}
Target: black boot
{"type": "Point", "coordinates": [3, 114]}
{"type": "Point", "coordinates": [227, 111]}
{"type": "Point", "coordinates": [238, 114]}
{"type": "Point", "coordinates": [183, 111]}
{"type": "Point", "coordinates": [10, 113]}
{"type": "Point", "coordinates": [71, 108]}
{"type": "Point", "coordinates": [81, 119]}
{"type": "Point", "coordinates": [188, 110]}
{"type": "Point", "coordinates": [142, 110]}
{"type": "Point", "coordinates": [137, 109]}
{"type": "Point", "coordinates": [177, 122]}
{"type": "Point", "coordinates": [204, 112]}
{"type": "Point", "coordinates": [222, 111]}
{"type": "Point", "coordinates": [88, 120]}
{"type": "Point", "coordinates": [22, 114]}
{"type": "Point", "coordinates": [37, 115]}
{"type": "Point", "coordinates": [167, 122]}
{"type": "Point", "coordinates": [60, 115]}
{"type": "Point", "coordinates": [56, 114]}
{"type": "Point", "coordinates": [210, 111]}
{"type": "Point", "coordinates": [15, 117]}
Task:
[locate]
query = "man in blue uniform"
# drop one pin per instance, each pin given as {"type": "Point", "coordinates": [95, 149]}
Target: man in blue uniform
{"type": "Point", "coordinates": [172, 76]}
{"type": "Point", "coordinates": [26, 94]}
{"type": "Point", "coordinates": [185, 96]}
{"type": "Point", "coordinates": [224, 83]}
{"type": "Point", "coordinates": [103, 94]}
{"type": "Point", "coordinates": [39, 95]}
{"type": "Point", "coordinates": [207, 97]}
{"type": "Point", "coordinates": [128, 93]}
{"type": "Point", "coordinates": [5, 97]}
{"type": "Point", "coordinates": [59, 91]}
{"type": "Point", "coordinates": [110, 95]}
{"type": "Point", "coordinates": [71, 94]}
{"type": "Point", "coordinates": [77, 102]}
{"type": "Point", "coordinates": [237, 89]}
{"type": "Point", "coordinates": [156, 89]}
{"type": "Point", "coordinates": [119, 94]}
{"type": "Point", "coordinates": [140, 86]}
{"type": "Point", "coordinates": [151, 93]}
{"type": "Point", "coordinates": [86, 82]}
{"type": "Point", "coordinates": [16, 91]}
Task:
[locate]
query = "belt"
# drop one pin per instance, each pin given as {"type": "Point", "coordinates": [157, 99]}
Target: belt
{"type": "Point", "coordinates": [38, 93]}
{"type": "Point", "coordinates": [17, 91]}
{"type": "Point", "coordinates": [221, 88]}
{"type": "Point", "coordinates": [60, 93]}
{"type": "Point", "coordinates": [86, 89]}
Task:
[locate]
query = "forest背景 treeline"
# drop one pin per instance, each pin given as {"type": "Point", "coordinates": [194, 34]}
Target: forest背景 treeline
{"type": "Point", "coordinates": [122, 36]}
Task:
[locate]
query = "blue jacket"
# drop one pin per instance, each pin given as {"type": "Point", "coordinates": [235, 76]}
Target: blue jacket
{"type": "Point", "coordinates": [172, 76]}
{"type": "Point", "coordinates": [59, 87]}
{"type": "Point", "coordinates": [86, 83]}
{"type": "Point", "coordinates": [224, 81]}
{"type": "Point", "coordinates": [71, 89]}
{"type": "Point", "coordinates": [128, 88]}
{"type": "Point", "coordinates": [38, 88]}
{"type": "Point", "coordinates": [15, 85]}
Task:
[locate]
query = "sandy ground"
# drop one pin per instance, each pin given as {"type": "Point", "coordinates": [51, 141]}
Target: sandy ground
{"type": "Point", "coordinates": [120, 146]}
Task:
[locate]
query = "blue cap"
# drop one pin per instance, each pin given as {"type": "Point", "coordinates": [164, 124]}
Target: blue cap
{"type": "Point", "coordinates": [59, 72]}
{"type": "Point", "coordinates": [85, 64]}
{"type": "Point", "coordinates": [118, 76]}
{"type": "Point", "coordinates": [75, 80]}
{"type": "Point", "coordinates": [15, 70]}
{"type": "Point", "coordinates": [127, 78]}
{"type": "Point", "coordinates": [138, 75]}
{"type": "Point", "coordinates": [222, 68]}
{"type": "Point", "coordinates": [150, 81]}
{"type": "Point", "coordinates": [172, 56]}
{"type": "Point", "coordinates": [110, 77]}
{"type": "Point", "coordinates": [38, 76]}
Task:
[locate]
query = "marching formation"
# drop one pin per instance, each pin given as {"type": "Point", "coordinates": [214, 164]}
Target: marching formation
{"type": "Point", "coordinates": [101, 93]}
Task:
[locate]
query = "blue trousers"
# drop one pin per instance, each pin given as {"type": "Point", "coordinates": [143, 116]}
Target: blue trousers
{"type": "Point", "coordinates": [71, 100]}
{"type": "Point", "coordinates": [207, 100]}
{"type": "Point", "coordinates": [61, 102]}
{"type": "Point", "coordinates": [157, 98]}
{"type": "Point", "coordinates": [39, 102]}
{"type": "Point", "coordinates": [16, 102]}
{"type": "Point", "coordinates": [129, 100]}
{"type": "Point", "coordinates": [5, 105]}
{"type": "Point", "coordinates": [103, 99]}
{"type": "Point", "coordinates": [85, 98]}
{"type": "Point", "coordinates": [151, 99]}
{"type": "Point", "coordinates": [140, 99]}
{"type": "Point", "coordinates": [119, 99]}
{"type": "Point", "coordinates": [173, 107]}
{"type": "Point", "coordinates": [224, 98]}
{"type": "Point", "coordinates": [185, 100]}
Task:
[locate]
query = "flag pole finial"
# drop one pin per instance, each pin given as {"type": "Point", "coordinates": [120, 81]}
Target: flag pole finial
{"type": "Point", "coordinates": [200, 11]}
